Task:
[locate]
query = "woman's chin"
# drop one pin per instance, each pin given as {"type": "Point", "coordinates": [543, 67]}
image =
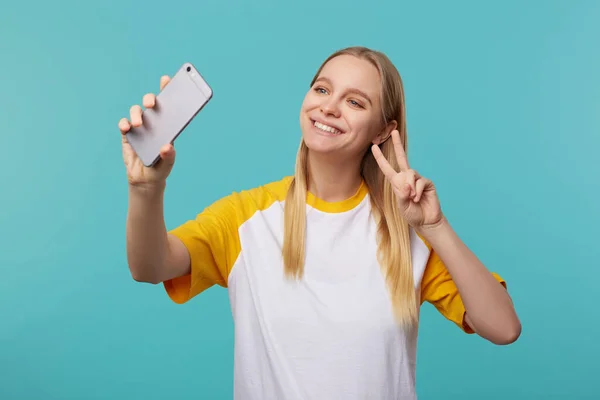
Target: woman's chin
{"type": "Point", "coordinates": [323, 143]}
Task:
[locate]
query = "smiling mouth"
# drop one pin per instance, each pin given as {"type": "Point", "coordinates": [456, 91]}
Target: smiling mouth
{"type": "Point", "coordinates": [326, 128]}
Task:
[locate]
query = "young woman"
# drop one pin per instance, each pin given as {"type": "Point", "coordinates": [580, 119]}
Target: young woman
{"type": "Point", "coordinates": [327, 269]}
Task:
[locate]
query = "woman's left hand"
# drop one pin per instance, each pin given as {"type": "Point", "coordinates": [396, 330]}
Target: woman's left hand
{"type": "Point", "coordinates": [417, 198]}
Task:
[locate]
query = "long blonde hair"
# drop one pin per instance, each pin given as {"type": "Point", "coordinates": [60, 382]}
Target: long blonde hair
{"type": "Point", "coordinates": [393, 235]}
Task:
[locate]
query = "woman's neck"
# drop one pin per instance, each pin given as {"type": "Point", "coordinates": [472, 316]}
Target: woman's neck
{"type": "Point", "coordinates": [332, 181]}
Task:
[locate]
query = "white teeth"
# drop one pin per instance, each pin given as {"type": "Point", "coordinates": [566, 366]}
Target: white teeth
{"type": "Point", "coordinates": [327, 128]}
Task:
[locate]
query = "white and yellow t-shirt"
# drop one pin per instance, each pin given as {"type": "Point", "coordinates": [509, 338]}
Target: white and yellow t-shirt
{"type": "Point", "coordinates": [331, 335]}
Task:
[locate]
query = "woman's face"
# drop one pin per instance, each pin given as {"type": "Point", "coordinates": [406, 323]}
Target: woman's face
{"type": "Point", "coordinates": [341, 113]}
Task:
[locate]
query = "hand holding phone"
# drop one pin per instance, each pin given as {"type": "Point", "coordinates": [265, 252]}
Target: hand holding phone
{"type": "Point", "coordinates": [148, 137]}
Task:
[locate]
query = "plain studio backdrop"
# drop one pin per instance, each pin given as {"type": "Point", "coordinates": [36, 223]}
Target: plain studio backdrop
{"type": "Point", "coordinates": [503, 102]}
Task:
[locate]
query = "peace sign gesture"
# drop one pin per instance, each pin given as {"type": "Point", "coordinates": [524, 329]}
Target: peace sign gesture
{"type": "Point", "coordinates": [417, 198]}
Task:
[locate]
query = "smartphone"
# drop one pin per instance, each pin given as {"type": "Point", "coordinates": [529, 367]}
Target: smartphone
{"type": "Point", "coordinates": [176, 106]}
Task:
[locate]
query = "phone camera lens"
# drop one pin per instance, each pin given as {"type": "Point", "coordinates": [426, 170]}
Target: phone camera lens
{"type": "Point", "coordinates": [189, 69]}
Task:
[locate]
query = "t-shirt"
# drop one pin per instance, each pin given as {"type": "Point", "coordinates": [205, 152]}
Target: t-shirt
{"type": "Point", "coordinates": [330, 335]}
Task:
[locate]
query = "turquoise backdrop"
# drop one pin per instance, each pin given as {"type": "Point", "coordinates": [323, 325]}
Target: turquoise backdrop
{"type": "Point", "coordinates": [503, 105]}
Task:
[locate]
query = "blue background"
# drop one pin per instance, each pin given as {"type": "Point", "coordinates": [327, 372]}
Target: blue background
{"type": "Point", "coordinates": [502, 99]}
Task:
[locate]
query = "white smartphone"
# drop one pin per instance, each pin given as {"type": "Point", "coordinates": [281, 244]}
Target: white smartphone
{"type": "Point", "coordinates": [176, 105]}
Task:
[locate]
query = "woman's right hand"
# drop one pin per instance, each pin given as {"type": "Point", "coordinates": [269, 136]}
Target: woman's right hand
{"type": "Point", "coordinates": [139, 175]}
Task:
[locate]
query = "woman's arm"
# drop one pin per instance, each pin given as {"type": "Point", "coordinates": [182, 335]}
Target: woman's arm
{"type": "Point", "coordinates": [490, 311]}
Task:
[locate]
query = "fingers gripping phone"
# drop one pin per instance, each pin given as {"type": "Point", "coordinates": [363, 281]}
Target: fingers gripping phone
{"type": "Point", "coordinates": [176, 105]}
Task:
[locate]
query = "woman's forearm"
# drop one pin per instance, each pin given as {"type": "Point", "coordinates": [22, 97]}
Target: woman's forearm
{"type": "Point", "coordinates": [489, 308]}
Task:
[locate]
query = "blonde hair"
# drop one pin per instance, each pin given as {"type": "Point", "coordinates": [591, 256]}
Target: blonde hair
{"type": "Point", "coordinates": [393, 235]}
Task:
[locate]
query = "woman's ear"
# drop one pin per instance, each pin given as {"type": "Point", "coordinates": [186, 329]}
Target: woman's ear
{"type": "Point", "coordinates": [385, 133]}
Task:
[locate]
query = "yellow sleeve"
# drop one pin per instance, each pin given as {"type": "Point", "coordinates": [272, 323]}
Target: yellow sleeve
{"type": "Point", "coordinates": [438, 288]}
{"type": "Point", "coordinates": [212, 239]}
